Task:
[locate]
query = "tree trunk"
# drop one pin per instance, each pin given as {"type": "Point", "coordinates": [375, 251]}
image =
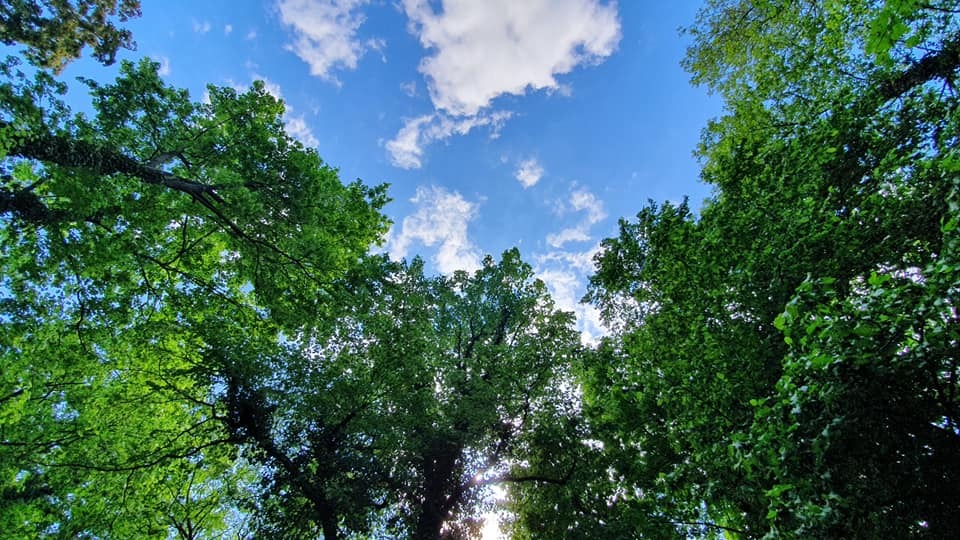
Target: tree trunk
{"type": "Point", "coordinates": [440, 488]}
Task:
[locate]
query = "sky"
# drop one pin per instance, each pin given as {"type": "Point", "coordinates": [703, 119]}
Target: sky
{"type": "Point", "coordinates": [497, 123]}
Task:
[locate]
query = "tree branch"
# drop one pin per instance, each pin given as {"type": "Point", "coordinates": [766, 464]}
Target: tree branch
{"type": "Point", "coordinates": [939, 65]}
{"type": "Point", "coordinates": [518, 479]}
{"type": "Point", "coordinates": [28, 207]}
{"type": "Point", "coordinates": [69, 152]}
{"type": "Point", "coordinates": [186, 453]}
{"type": "Point", "coordinates": [711, 526]}
{"type": "Point", "coordinates": [15, 393]}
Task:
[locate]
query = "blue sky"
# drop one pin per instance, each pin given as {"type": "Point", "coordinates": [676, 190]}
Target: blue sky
{"type": "Point", "coordinates": [498, 123]}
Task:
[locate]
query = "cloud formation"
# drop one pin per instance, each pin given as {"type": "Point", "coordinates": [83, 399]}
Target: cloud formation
{"type": "Point", "coordinates": [580, 200]}
{"type": "Point", "coordinates": [529, 172]}
{"type": "Point", "coordinates": [441, 219]}
{"type": "Point", "coordinates": [325, 33]}
{"type": "Point", "coordinates": [409, 88]}
{"type": "Point", "coordinates": [565, 271]}
{"type": "Point", "coordinates": [164, 69]}
{"type": "Point", "coordinates": [482, 50]}
{"type": "Point", "coordinates": [567, 285]}
{"type": "Point", "coordinates": [297, 128]}
{"type": "Point", "coordinates": [407, 147]}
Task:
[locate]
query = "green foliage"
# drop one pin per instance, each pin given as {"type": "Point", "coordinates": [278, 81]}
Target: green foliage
{"type": "Point", "coordinates": [134, 246]}
{"type": "Point", "coordinates": [393, 418]}
{"type": "Point", "coordinates": [196, 342]}
{"type": "Point", "coordinates": [56, 31]}
{"type": "Point", "coordinates": [782, 363]}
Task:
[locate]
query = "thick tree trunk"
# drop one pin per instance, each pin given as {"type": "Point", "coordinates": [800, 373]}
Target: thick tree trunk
{"type": "Point", "coordinates": [440, 488]}
{"type": "Point", "coordinates": [328, 521]}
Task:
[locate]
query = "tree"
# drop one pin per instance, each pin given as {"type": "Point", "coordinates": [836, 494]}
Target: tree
{"type": "Point", "coordinates": [56, 31]}
{"type": "Point", "coordinates": [422, 393]}
{"type": "Point", "coordinates": [194, 330]}
{"type": "Point", "coordinates": [780, 364]}
{"type": "Point", "coordinates": [126, 237]}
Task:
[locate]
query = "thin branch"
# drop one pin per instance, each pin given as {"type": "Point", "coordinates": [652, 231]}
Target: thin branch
{"type": "Point", "coordinates": [520, 479]}
{"type": "Point", "coordinates": [712, 526]}
{"type": "Point", "coordinates": [939, 65]}
{"type": "Point", "coordinates": [145, 465]}
{"type": "Point", "coordinates": [15, 393]}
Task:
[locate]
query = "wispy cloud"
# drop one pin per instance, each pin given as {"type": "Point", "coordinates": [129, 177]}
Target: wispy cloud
{"type": "Point", "coordinates": [565, 270]}
{"type": "Point", "coordinates": [201, 27]}
{"type": "Point", "coordinates": [164, 62]}
{"type": "Point", "coordinates": [571, 234]}
{"type": "Point", "coordinates": [406, 149]}
{"type": "Point", "coordinates": [227, 29]}
{"type": "Point", "coordinates": [409, 88]}
{"type": "Point", "coordinates": [565, 274]}
{"type": "Point", "coordinates": [482, 50]}
{"type": "Point", "coordinates": [325, 33]}
{"type": "Point", "coordinates": [441, 219]}
{"type": "Point", "coordinates": [581, 200]}
{"type": "Point", "coordinates": [529, 172]}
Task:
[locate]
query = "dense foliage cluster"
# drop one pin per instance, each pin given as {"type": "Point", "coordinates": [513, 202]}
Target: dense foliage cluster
{"type": "Point", "coordinates": [785, 363]}
{"type": "Point", "coordinates": [56, 31]}
{"type": "Point", "coordinates": [196, 340]}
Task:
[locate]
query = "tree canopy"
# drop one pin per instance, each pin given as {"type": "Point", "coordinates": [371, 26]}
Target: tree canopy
{"type": "Point", "coordinates": [133, 243]}
{"type": "Point", "coordinates": [784, 360]}
{"type": "Point", "coordinates": [56, 31]}
{"type": "Point", "coordinates": [434, 388]}
{"type": "Point", "coordinates": [197, 339]}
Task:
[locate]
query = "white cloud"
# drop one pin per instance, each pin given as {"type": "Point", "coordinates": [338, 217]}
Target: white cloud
{"type": "Point", "coordinates": [482, 50]}
{"type": "Point", "coordinates": [565, 272]}
{"type": "Point", "coordinates": [251, 35]}
{"type": "Point", "coordinates": [201, 27]}
{"type": "Point", "coordinates": [441, 219]}
{"type": "Point", "coordinates": [581, 200]}
{"type": "Point", "coordinates": [563, 287]}
{"type": "Point", "coordinates": [584, 200]}
{"type": "Point", "coordinates": [325, 33]}
{"type": "Point", "coordinates": [529, 172]}
{"type": "Point", "coordinates": [298, 129]}
{"type": "Point", "coordinates": [581, 261]}
{"type": "Point", "coordinates": [227, 29]}
{"type": "Point", "coordinates": [567, 286]}
{"type": "Point", "coordinates": [409, 88]}
{"type": "Point", "coordinates": [164, 62]}
{"type": "Point", "coordinates": [571, 234]}
{"type": "Point", "coordinates": [407, 147]}
{"type": "Point", "coordinates": [379, 45]}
